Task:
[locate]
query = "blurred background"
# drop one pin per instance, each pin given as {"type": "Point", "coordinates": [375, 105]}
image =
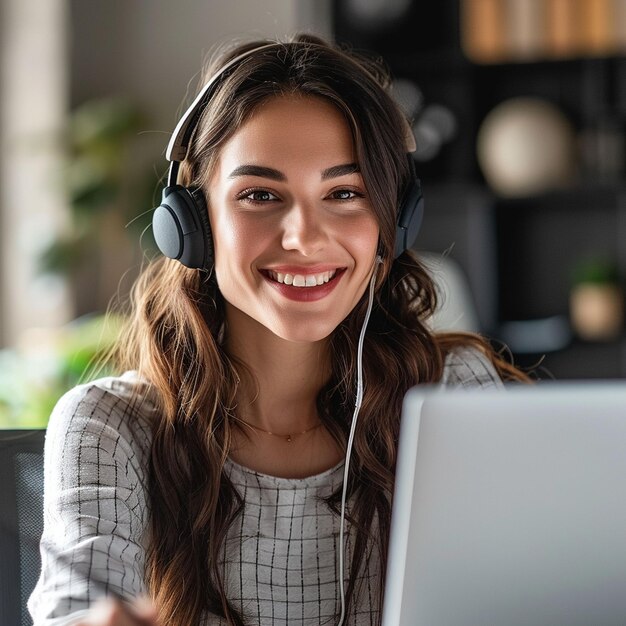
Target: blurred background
{"type": "Point", "coordinates": [518, 108]}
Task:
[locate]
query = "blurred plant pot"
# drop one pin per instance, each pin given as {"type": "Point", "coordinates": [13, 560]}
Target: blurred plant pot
{"type": "Point", "coordinates": [597, 311]}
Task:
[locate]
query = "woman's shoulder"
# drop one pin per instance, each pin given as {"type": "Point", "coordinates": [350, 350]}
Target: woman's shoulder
{"type": "Point", "coordinates": [468, 366]}
{"type": "Point", "coordinates": [96, 470]}
{"type": "Point", "coordinates": [112, 414]}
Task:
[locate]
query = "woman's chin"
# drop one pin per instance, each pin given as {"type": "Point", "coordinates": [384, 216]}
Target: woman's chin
{"type": "Point", "coordinates": [309, 334]}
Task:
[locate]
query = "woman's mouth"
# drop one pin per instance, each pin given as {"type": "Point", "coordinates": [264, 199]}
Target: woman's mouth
{"type": "Point", "coordinates": [302, 280]}
{"type": "Point", "coordinates": [304, 287]}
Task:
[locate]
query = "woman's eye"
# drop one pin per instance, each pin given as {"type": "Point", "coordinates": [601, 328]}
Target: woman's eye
{"type": "Point", "coordinates": [344, 194]}
{"type": "Point", "coordinates": [258, 195]}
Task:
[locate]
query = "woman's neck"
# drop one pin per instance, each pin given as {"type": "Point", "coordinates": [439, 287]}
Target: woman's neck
{"type": "Point", "coordinates": [279, 391]}
{"type": "Point", "coordinates": [277, 397]}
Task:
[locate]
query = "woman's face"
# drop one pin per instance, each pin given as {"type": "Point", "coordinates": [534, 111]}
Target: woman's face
{"type": "Point", "coordinates": [294, 232]}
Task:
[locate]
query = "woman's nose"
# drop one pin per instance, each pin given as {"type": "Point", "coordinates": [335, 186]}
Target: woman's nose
{"type": "Point", "coordinates": [304, 229]}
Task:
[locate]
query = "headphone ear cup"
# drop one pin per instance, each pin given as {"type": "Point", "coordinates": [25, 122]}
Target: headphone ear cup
{"type": "Point", "coordinates": [181, 227]}
{"type": "Point", "coordinates": [410, 214]}
{"type": "Point", "coordinates": [202, 213]}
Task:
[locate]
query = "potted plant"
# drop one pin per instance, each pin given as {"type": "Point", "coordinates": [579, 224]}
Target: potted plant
{"type": "Point", "coordinates": [597, 301]}
{"type": "Point", "coordinates": [108, 201]}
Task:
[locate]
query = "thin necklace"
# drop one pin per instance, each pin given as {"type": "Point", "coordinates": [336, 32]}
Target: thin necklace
{"type": "Point", "coordinates": [287, 438]}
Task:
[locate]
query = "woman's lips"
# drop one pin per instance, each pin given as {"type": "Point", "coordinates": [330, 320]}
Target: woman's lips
{"type": "Point", "coordinates": [304, 287]}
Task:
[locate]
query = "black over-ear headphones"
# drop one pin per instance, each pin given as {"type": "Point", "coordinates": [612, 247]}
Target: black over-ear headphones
{"type": "Point", "coordinates": [181, 222]}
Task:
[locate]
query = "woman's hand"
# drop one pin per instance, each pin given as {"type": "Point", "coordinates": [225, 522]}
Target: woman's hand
{"type": "Point", "coordinates": [110, 612]}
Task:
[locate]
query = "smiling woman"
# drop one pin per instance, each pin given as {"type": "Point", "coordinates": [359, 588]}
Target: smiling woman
{"type": "Point", "coordinates": [267, 363]}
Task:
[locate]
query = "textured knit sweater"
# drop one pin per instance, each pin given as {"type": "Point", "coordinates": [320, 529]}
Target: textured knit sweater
{"type": "Point", "coordinates": [280, 554]}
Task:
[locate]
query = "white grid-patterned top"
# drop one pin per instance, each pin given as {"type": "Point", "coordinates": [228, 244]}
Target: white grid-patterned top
{"type": "Point", "coordinates": [280, 553]}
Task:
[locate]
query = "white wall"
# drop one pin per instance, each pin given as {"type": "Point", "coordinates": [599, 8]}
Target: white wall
{"type": "Point", "coordinates": [33, 84]}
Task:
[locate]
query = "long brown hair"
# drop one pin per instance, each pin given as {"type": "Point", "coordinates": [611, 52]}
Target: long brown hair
{"type": "Point", "coordinates": [173, 340]}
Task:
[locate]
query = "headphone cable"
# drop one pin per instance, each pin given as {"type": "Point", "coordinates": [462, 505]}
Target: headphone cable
{"type": "Point", "coordinates": [355, 415]}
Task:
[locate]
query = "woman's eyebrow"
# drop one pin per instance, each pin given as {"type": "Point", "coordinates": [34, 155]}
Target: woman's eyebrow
{"type": "Point", "coordinates": [258, 170]}
{"type": "Point", "coordinates": [340, 170]}
{"type": "Point", "coordinates": [269, 172]}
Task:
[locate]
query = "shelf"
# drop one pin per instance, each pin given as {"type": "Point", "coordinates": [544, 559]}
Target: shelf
{"type": "Point", "coordinates": [580, 360]}
{"type": "Point", "coordinates": [518, 253]}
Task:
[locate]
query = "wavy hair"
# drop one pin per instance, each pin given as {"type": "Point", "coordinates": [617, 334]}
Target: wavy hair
{"type": "Point", "coordinates": [173, 340]}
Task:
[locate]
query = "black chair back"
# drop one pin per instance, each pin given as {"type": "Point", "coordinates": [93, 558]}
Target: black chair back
{"type": "Point", "coordinates": [21, 521]}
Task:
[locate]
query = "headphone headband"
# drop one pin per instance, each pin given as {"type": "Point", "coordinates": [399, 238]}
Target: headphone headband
{"type": "Point", "coordinates": [179, 141]}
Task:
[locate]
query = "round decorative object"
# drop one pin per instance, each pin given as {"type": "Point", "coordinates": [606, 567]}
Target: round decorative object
{"type": "Point", "coordinates": [526, 146]}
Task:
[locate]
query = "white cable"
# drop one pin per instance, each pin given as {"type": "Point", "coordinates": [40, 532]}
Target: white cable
{"type": "Point", "coordinates": [355, 415]}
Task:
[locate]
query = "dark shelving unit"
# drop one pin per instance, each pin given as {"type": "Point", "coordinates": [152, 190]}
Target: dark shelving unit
{"type": "Point", "coordinates": [518, 253]}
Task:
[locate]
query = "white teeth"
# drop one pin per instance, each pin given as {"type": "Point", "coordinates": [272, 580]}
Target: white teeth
{"type": "Point", "coordinates": [302, 280]}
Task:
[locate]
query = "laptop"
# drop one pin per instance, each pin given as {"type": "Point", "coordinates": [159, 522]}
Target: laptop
{"type": "Point", "coordinates": [510, 508]}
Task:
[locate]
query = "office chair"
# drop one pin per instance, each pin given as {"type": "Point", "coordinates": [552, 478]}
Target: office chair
{"type": "Point", "coordinates": [456, 310]}
{"type": "Point", "coordinates": [21, 521]}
